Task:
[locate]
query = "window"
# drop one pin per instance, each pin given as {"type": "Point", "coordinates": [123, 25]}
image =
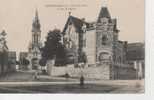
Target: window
{"type": "Point", "coordinates": [104, 39]}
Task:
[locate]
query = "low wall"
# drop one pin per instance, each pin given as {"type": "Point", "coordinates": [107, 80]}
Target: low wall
{"type": "Point", "coordinates": [101, 72]}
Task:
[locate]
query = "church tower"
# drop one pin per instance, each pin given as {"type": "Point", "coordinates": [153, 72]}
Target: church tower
{"type": "Point", "coordinates": [106, 36]}
{"type": "Point", "coordinates": [35, 45]}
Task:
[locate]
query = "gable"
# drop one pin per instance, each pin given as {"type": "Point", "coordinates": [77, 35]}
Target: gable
{"type": "Point", "coordinates": [78, 23]}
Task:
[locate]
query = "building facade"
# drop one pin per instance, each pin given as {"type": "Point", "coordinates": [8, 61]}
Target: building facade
{"type": "Point", "coordinates": [74, 38]}
{"type": "Point", "coordinates": [99, 40]}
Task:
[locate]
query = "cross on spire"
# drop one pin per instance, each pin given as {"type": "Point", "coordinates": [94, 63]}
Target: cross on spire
{"type": "Point", "coordinates": [104, 3]}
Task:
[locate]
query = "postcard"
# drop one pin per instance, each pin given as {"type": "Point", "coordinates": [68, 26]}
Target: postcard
{"type": "Point", "coordinates": [72, 46]}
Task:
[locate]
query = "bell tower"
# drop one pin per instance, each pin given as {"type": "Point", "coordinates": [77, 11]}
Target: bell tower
{"type": "Point", "coordinates": [104, 37]}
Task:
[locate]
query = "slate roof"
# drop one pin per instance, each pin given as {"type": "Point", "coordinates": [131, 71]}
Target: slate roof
{"type": "Point", "coordinates": [135, 51]}
{"type": "Point", "coordinates": [104, 13]}
{"type": "Point", "coordinates": [78, 23]}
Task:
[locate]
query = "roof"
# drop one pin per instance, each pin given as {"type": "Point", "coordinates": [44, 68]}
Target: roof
{"type": "Point", "coordinates": [78, 23]}
{"type": "Point", "coordinates": [104, 13]}
{"type": "Point", "coordinates": [135, 51]}
{"type": "Point", "coordinates": [36, 23]}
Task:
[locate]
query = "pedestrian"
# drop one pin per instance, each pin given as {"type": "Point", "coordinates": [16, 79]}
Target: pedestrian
{"type": "Point", "coordinates": [82, 80]}
{"type": "Point", "coordinates": [36, 75]}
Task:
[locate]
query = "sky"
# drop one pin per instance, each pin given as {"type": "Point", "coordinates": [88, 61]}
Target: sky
{"type": "Point", "coordinates": [16, 18]}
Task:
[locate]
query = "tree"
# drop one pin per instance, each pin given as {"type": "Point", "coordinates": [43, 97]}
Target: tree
{"type": "Point", "coordinates": [3, 46]}
{"type": "Point", "coordinates": [53, 47]}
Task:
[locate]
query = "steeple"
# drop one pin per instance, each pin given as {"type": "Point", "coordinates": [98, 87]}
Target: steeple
{"type": "Point", "coordinates": [104, 13]}
{"type": "Point", "coordinates": [36, 23]}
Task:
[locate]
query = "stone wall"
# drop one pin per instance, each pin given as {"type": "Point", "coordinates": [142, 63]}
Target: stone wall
{"type": "Point", "coordinates": [100, 72]}
{"type": "Point", "coordinates": [104, 72]}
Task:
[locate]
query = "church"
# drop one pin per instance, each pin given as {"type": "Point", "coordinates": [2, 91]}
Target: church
{"type": "Point", "coordinates": [34, 53]}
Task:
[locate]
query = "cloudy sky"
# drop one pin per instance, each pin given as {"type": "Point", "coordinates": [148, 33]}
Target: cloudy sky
{"type": "Point", "coordinates": [16, 18]}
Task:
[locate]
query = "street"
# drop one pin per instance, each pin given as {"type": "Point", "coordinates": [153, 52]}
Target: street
{"type": "Point", "coordinates": [23, 82]}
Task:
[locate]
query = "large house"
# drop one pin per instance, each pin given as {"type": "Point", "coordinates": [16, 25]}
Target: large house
{"type": "Point", "coordinates": [99, 41]}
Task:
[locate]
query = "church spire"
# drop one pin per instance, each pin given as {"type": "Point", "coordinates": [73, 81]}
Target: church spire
{"type": "Point", "coordinates": [36, 23]}
{"type": "Point", "coordinates": [104, 13]}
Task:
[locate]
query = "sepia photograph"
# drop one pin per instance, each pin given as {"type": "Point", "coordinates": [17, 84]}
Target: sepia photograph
{"type": "Point", "coordinates": [72, 46]}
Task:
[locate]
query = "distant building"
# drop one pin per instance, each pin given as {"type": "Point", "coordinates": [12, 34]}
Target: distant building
{"type": "Point", "coordinates": [12, 60]}
{"type": "Point", "coordinates": [22, 57]}
{"type": "Point", "coordinates": [136, 57]}
{"type": "Point", "coordinates": [135, 51]}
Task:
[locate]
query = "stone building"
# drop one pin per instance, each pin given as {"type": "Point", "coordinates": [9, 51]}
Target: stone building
{"type": "Point", "coordinates": [108, 46]}
{"type": "Point", "coordinates": [74, 32]}
{"type": "Point", "coordinates": [34, 53]}
{"type": "Point", "coordinates": [99, 40]}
